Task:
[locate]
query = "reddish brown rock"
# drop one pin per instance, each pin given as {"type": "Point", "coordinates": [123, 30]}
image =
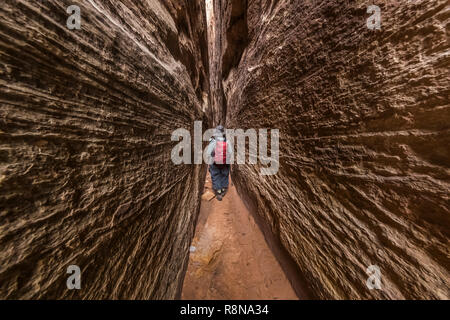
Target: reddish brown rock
{"type": "Point", "coordinates": [364, 121]}
{"type": "Point", "coordinates": [85, 124]}
{"type": "Point", "coordinates": [86, 117]}
{"type": "Point", "coordinates": [217, 110]}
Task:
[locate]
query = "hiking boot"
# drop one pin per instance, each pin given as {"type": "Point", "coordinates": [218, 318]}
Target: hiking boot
{"type": "Point", "coordinates": [224, 191]}
{"type": "Point", "coordinates": [219, 197]}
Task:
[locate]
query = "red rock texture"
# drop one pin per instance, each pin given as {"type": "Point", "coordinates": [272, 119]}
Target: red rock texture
{"type": "Point", "coordinates": [85, 123]}
{"type": "Point", "coordinates": [217, 110]}
{"type": "Point", "coordinates": [364, 122]}
{"type": "Point", "coordinates": [86, 117]}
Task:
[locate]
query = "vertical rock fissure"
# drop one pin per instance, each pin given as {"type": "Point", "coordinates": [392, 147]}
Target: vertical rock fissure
{"type": "Point", "coordinates": [227, 44]}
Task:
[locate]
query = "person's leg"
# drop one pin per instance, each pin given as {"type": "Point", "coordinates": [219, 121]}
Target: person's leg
{"type": "Point", "coordinates": [224, 177]}
{"type": "Point", "coordinates": [226, 173]}
{"type": "Point", "coordinates": [216, 180]}
{"type": "Point", "coordinates": [215, 176]}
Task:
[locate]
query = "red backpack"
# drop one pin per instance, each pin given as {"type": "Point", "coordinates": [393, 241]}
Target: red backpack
{"type": "Point", "coordinates": [220, 152]}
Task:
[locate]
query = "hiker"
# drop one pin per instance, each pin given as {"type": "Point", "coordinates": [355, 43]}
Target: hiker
{"type": "Point", "coordinates": [219, 156]}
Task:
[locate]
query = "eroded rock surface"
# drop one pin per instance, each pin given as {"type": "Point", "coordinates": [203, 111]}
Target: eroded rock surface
{"type": "Point", "coordinates": [217, 109]}
{"type": "Point", "coordinates": [364, 121]}
{"type": "Point", "coordinates": [85, 123]}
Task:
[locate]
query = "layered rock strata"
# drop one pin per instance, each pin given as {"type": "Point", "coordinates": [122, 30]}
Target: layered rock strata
{"type": "Point", "coordinates": [364, 122]}
{"type": "Point", "coordinates": [86, 119]}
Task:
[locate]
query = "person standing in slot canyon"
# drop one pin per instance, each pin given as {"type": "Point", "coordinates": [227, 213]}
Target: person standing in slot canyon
{"type": "Point", "coordinates": [219, 167]}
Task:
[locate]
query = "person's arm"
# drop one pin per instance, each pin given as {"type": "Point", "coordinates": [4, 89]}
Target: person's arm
{"type": "Point", "coordinates": [210, 150]}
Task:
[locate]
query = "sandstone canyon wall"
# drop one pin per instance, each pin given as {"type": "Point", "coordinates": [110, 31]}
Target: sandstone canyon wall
{"type": "Point", "coordinates": [364, 122]}
{"type": "Point", "coordinates": [85, 123]}
{"type": "Point", "coordinates": [217, 110]}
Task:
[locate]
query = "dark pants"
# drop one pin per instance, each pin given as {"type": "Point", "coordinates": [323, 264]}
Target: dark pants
{"type": "Point", "coordinates": [219, 175]}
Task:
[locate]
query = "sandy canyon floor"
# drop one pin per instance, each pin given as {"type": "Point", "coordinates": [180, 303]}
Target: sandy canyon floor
{"type": "Point", "coordinates": [231, 259]}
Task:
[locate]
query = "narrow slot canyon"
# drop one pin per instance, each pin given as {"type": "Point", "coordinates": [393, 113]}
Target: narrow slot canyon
{"type": "Point", "coordinates": [229, 257]}
{"type": "Point", "coordinates": [89, 117]}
